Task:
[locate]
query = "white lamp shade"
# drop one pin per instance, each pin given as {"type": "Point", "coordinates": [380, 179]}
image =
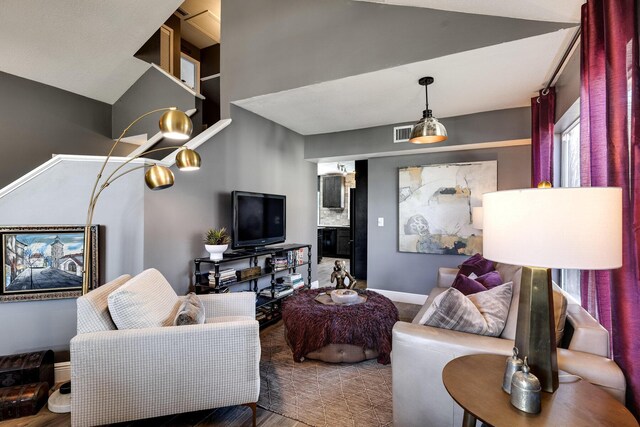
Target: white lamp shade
{"type": "Point", "coordinates": [579, 228]}
{"type": "Point", "coordinates": [477, 215]}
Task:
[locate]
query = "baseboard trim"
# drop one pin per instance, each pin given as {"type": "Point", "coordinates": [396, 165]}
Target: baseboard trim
{"type": "Point", "coordinates": [405, 297]}
{"type": "Point", "coordinates": [62, 372]}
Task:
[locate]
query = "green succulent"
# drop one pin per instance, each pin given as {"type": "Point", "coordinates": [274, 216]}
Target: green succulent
{"type": "Point", "coordinates": [217, 236]}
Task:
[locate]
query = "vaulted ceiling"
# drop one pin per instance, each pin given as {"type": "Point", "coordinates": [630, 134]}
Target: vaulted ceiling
{"type": "Point", "coordinates": [479, 62]}
{"type": "Point", "coordinates": [82, 46]}
{"type": "Point", "coordinates": [472, 73]}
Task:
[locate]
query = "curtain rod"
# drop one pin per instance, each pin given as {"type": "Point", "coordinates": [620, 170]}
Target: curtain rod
{"type": "Point", "coordinates": [574, 40]}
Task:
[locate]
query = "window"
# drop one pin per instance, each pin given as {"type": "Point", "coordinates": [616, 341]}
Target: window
{"type": "Point", "coordinates": [190, 72]}
{"type": "Point", "coordinates": [570, 177]}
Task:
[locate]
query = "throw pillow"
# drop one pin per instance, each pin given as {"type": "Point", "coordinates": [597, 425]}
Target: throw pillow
{"type": "Point", "coordinates": [483, 313]}
{"type": "Point", "coordinates": [467, 285]}
{"type": "Point", "coordinates": [490, 280]}
{"type": "Point", "coordinates": [191, 311]}
{"type": "Point", "coordinates": [476, 264]}
{"type": "Point", "coordinates": [146, 301]}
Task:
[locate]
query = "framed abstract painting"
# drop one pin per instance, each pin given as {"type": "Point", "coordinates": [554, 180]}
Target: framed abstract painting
{"type": "Point", "coordinates": [435, 205]}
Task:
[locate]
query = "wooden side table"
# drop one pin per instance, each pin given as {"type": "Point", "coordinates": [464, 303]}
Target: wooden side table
{"type": "Point", "coordinates": [475, 383]}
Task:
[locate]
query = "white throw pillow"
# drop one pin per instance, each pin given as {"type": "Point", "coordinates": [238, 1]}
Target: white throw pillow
{"type": "Point", "coordinates": [483, 313]}
{"type": "Point", "coordinates": [146, 301]}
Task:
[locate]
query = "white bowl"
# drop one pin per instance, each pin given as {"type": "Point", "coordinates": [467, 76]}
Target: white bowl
{"type": "Point", "coordinates": [344, 296]}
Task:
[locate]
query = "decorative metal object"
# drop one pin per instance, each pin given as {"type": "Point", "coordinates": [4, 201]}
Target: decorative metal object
{"type": "Point", "coordinates": [514, 364]}
{"type": "Point", "coordinates": [428, 129]}
{"type": "Point", "coordinates": [339, 274]}
{"type": "Point", "coordinates": [525, 390]}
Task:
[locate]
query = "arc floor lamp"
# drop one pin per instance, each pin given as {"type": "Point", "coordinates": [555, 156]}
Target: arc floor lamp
{"type": "Point", "coordinates": [174, 124]}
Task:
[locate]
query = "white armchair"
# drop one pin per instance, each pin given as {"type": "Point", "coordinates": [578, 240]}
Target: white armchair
{"type": "Point", "coordinates": [123, 375]}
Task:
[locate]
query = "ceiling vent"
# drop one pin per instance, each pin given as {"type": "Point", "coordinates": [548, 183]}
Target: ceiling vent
{"type": "Point", "coordinates": [402, 133]}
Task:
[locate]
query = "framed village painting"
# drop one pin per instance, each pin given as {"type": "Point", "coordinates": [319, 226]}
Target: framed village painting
{"type": "Point", "coordinates": [435, 205]}
{"type": "Point", "coordinates": [47, 262]}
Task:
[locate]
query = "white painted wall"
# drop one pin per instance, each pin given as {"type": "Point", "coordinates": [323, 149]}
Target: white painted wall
{"type": "Point", "coordinates": [60, 196]}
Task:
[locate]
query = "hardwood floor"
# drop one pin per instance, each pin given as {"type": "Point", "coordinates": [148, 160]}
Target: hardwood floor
{"type": "Point", "coordinates": [234, 416]}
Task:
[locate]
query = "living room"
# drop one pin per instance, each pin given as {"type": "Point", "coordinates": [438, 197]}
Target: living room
{"type": "Point", "coordinates": [301, 82]}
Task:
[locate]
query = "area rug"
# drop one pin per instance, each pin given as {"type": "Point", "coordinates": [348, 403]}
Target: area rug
{"type": "Point", "coordinates": [322, 394]}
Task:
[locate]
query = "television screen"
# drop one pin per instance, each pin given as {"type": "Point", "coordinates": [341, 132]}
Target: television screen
{"type": "Point", "coordinates": [258, 219]}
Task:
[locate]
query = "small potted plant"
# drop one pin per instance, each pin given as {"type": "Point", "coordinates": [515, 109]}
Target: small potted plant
{"type": "Point", "coordinates": [216, 241]}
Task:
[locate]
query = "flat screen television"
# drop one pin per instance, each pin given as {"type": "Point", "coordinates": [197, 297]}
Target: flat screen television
{"type": "Point", "coordinates": [259, 219]}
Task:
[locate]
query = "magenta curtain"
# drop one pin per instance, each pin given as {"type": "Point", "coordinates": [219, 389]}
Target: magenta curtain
{"type": "Point", "coordinates": [609, 142]}
{"type": "Point", "coordinates": [543, 112]}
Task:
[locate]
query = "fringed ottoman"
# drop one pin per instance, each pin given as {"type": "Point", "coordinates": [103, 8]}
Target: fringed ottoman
{"type": "Point", "coordinates": [339, 333]}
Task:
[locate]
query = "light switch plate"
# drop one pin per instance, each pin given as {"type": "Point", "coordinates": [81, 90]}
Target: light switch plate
{"type": "Point", "coordinates": [380, 222]}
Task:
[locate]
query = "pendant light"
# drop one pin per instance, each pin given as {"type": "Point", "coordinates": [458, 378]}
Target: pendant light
{"type": "Point", "coordinates": [428, 129]}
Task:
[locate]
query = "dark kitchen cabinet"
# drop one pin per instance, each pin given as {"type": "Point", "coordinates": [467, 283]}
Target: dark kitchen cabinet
{"type": "Point", "coordinates": [336, 242]}
{"type": "Point", "coordinates": [333, 191]}
{"type": "Point", "coordinates": [343, 248]}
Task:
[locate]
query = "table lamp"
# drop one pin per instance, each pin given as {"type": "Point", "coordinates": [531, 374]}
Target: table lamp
{"type": "Point", "coordinates": [544, 228]}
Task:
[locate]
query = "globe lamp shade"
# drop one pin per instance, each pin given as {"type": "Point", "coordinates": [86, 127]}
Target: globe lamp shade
{"type": "Point", "coordinates": [159, 177]}
{"type": "Point", "coordinates": [174, 124]}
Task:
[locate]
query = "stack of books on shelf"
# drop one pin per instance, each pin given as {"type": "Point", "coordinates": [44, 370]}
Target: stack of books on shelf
{"type": "Point", "coordinates": [278, 263]}
{"type": "Point", "coordinates": [295, 257]}
{"type": "Point", "coordinates": [294, 280]}
{"type": "Point", "coordinates": [279, 291]}
{"type": "Point", "coordinates": [227, 276]}
{"type": "Point", "coordinates": [262, 314]}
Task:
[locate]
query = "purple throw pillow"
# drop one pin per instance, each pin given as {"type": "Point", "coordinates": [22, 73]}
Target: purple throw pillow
{"type": "Point", "coordinates": [476, 264]}
{"type": "Point", "coordinates": [490, 279]}
{"type": "Point", "coordinates": [466, 285]}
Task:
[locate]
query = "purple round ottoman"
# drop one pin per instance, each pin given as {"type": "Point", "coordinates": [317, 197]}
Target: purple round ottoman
{"type": "Point", "coordinates": [339, 333]}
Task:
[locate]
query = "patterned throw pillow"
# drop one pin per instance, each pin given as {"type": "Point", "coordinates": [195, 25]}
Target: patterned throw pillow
{"type": "Point", "coordinates": [191, 311]}
{"type": "Point", "coordinates": [483, 313]}
{"type": "Point", "coordinates": [477, 264]}
{"type": "Point", "coordinates": [145, 301]}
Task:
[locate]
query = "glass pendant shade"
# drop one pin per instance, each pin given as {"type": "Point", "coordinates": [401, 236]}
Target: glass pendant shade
{"type": "Point", "coordinates": [188, 160]}
{"type": "Point", "coordinates": [427, 131]}
{"type": "Point", "coordinates": [159, 177]}
{"type": "Point", "coordinates": [174, 124]}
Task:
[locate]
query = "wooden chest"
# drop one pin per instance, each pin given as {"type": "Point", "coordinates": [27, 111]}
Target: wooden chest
{"type": "Point", "coordinates": [22, 400]}
{"type": "Point", "coordinates": [27, 368]}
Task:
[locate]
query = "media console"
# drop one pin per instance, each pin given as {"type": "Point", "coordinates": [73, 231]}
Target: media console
{"type": "Point", "coordinates": [268, 308]}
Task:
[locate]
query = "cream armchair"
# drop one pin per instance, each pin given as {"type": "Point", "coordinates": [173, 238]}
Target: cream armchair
{"type": "Point", "coordinates": [123, 375]}
{"type": "Point", "coordinates": [421, 352]}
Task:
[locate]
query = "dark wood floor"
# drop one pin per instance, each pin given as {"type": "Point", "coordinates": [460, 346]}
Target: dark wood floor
{"type": "Point", "coordinates": [235, 416]}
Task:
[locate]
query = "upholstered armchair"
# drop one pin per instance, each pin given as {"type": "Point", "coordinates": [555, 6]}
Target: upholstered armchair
{"type": "Point", "coordinates": [421, 352]}
{"type": "Point", "coordinates": [126, 374]}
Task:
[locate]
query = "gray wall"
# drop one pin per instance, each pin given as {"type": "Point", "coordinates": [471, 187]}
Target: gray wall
{"type": "Point", "coordinates": [568, 85]}
{"type": "Point", "coordinates": [252, 154]}
{"type": "Point", "coordinates": [59, 196]}
{"type": "Point", "coordinates": [312, 41]}
{"type": "Point", "coordinates": [416, 273]}
{"type": "Point", "coordinates": [152, 90]}
{"type": "Point", "coordinates": [490, 126]}
{"type": "Point", "coordinates": [39, 120]}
